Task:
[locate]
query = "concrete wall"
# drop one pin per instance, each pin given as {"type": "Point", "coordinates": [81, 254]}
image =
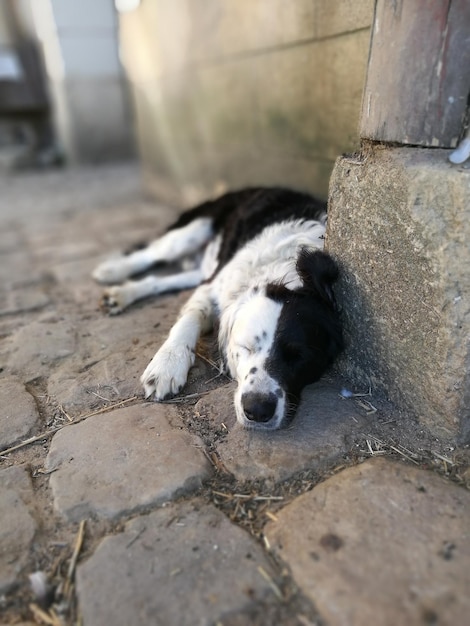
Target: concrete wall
{"type": "Point", "coordinates": [399, 222]}
{"type": "Point", "coordinates": [87, 85]}
{"type": "Point", "coordinates": [245, 91]}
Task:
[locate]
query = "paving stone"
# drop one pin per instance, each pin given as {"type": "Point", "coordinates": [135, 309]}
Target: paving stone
{"type": "Point", "coordinates": [61, 193]}
{"type": "Point", "coordinates": [18, 268]}
{"type": "Point", "coordinates": [141, 327]}
{"type": "Point", "coordinates": [185, 564]}
{"type": "Point", "coordinates": [112, 354]}
{"type": "Point", "coordinates": [18, 415]}
{"type": "Point", "coordinates": [11, 238]}
{"type": "Point", "coordinates": [8, 326]}
{"type": "Point", "coordinates": [51, 252]}
{"type": "Point", "coordinates": [381, 543]}
{"type": "Point", "coordinates": [20, 300]}
{"type": "Point", "coordinates": [123, 461]}
{"type": "Point", "coordinates": [74, 277]}
{"type": "Point", "coordinates": [114, 377]}
{"type": "Point", "coordinates": [34, 348]}
{"type": "Point", "coordinates": [17, 526]}
{"type": "Point", "coordinates": [324, 425]}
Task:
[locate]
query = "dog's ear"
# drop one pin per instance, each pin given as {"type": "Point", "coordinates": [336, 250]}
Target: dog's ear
{"type": "Point", "coordinates": [318, 272]}
{"type": "Point", "coordinates": [278, 291]}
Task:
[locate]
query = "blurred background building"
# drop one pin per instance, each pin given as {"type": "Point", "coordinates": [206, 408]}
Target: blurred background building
{"type": "Point", "coordinates": [224, 93]}
{"type": "Point", "coordinates": [63, 92]}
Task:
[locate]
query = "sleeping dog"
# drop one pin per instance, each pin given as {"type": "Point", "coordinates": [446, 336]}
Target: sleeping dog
{"type": "Point", "coordinates": [260, 270]}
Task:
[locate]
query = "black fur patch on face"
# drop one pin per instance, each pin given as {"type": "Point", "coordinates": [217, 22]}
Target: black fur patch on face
{"type": "Point", "coordinates": [308, 335]}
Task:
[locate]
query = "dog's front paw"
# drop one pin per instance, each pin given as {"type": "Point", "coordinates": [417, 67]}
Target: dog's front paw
{"type": "Point", "coordinates": [167, 372]}
{"type": "Point", "coordinates": [112, 271]}
{"type": "Point", "coordinates": [115, 300]}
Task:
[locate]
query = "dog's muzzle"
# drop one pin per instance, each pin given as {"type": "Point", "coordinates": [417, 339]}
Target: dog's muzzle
{"type": "Point", "coordinates": [259, 407]}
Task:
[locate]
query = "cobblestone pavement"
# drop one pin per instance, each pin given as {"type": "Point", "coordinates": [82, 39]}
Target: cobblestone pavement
{"type": "Point", "coordinates": [128, 512]}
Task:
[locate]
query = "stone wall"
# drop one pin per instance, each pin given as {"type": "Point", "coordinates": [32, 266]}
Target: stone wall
{"type": "Point", "coordinates": [399, 222]}
{"type": "Point", "coordinates": [244, 92]}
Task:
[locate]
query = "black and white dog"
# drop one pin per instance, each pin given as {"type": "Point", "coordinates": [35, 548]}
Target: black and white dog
{"type": "Point", "coordinates": [260, 270]}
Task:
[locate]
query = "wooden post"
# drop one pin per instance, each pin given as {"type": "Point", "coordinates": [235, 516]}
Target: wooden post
{"type": "Point", "coordinates": [418, 80]}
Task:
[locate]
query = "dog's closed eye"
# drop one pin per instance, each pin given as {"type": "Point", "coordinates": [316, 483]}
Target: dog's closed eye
{"type": "Point", "coordinates": [246, 349]}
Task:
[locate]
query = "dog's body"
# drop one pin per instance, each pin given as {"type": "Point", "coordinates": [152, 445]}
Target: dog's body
{"type": "Point", "coordinates": [261, 272]}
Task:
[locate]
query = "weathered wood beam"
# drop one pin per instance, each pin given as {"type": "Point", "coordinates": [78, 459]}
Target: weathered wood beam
{"type": "Point", "coordinates": [418, 80]}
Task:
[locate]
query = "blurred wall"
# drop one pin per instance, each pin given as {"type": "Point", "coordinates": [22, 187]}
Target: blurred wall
{"type": "Point", "coordinates": [86, 80]}
{"type": "Point", "coordinates": [235, 92]}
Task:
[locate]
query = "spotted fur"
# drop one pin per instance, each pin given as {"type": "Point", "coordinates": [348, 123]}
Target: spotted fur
{"type": "Point", "coordinates": [257, 260]}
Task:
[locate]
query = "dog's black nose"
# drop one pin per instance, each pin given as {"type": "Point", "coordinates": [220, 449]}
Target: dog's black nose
{"type": "Point", "coordinates": [259, 407]}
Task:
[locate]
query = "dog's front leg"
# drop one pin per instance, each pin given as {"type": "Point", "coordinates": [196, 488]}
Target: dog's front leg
{"type": "Point", "coordinates": [167, 372]}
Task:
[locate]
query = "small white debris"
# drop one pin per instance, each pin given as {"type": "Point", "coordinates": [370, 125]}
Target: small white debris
{"type": "Point", "coordinates": [345, 393]}
{"type": "Point", "coordinates": [462, 152]}
{"type": "Point", "coordinates": [40, 586]}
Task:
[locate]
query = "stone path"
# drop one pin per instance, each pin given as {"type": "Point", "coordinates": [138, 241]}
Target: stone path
{"type": "Point", "coordinates": [355, 515]}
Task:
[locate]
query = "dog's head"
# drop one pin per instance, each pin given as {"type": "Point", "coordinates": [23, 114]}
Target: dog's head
{"type": "Point", "coordinates": [281, 340]}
